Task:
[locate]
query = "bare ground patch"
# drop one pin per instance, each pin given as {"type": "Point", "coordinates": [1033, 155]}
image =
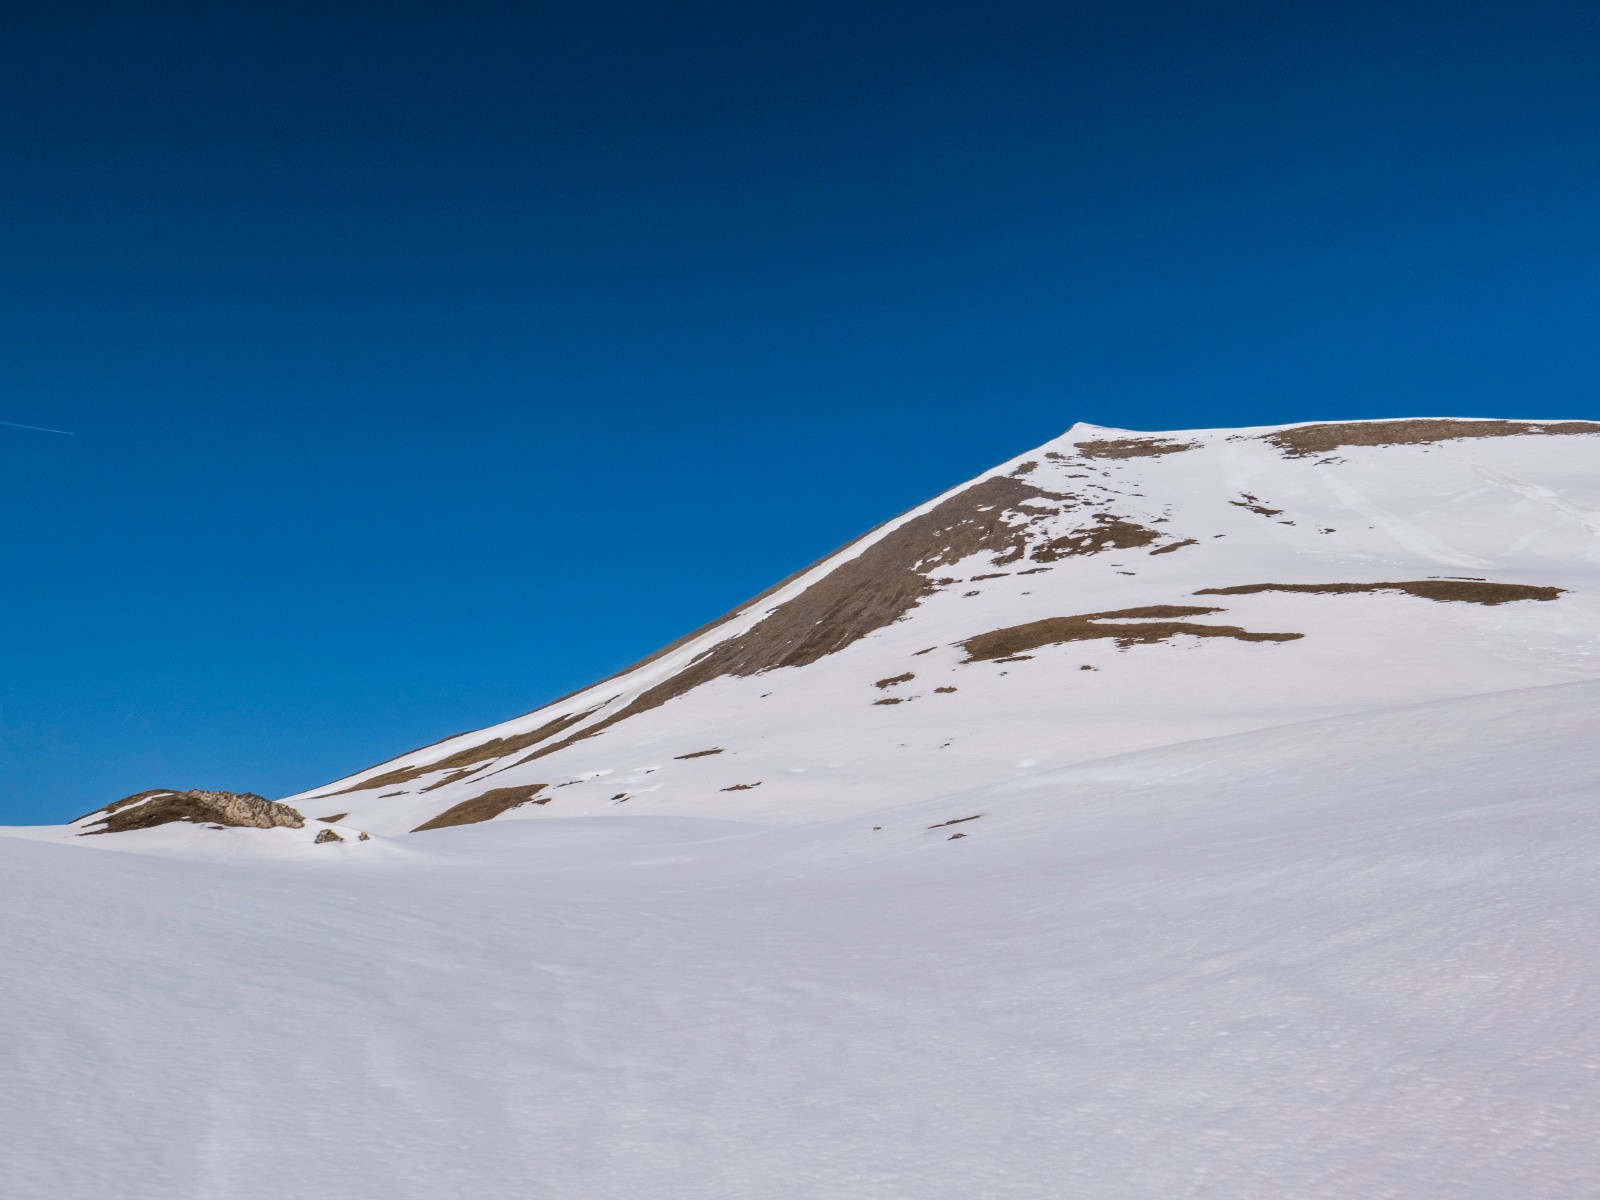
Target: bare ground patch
{"type": "Point", "coordinates": [1132, 447]}
{"type": "Point", "coordinates": [1169, 548]}
{"type": "Point", "coordinates": [1321, 439]}
{"type": "Point", "coordinates": [468, 759]}
{"type": "Point", "coordinates": [1460, 591]}
{"type": "Point", "coordinates": [1255, 505]}
{"type": "Point", "coordinates": [486, 806]}
{"type": "Point", "coordinates": [698, 754]}
{"type": "Point", "coordinates": [1107, 532]}
{"type": "Point", "coordinates": [1127, 627]}
{"type": "Point", "coordinates": [894, 679]}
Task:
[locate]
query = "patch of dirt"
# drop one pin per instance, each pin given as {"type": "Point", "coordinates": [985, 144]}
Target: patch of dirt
{"type": "Point", "coordinates": [1026, 468]}
{"type": "Point", "coordinates": [1461, 591]}
{"type": "Point", "coordinates": [956, 821]}
{"type": "Point", "coordinates": [1127, 627]}
{"type": "Point", "coordinates": [1132, 447]}
{"type": "Point", "coordinates": [486, 806]}
{"type": "Point", "coordinates": [944, 690]}
{"type": "Point", "coordinates": [1254, 504]}
{"type": "Point", "coordinates": [454, 777]}
{"type": "Point", "coordinates": [891, 700]}
{"type": "Point", "coordinates": [894, 679]}
{"type": "Point", "coordinates": [698, 754]}
{"type": "Point", "coordinates": [145, 810]}
{"type": "Point", "coordinates": [1107, 533]}
{"type": "Point", "coordinates": [1168, 549]}
{"type": "Point", "coordinates": [335, 819]}
{"type": "Point", "coordinates": [741, 787]}
{"type": "Point", "coordinates": [472, 757]}
{"type": "Point", "coordinates": [1321, 439]}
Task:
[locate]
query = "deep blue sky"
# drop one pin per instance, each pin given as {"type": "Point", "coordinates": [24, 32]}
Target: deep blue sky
{"type": "Point", "coordinates": [426, 363]}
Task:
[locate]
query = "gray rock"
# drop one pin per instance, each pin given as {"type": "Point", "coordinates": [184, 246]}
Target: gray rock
{"type": "Point", "coordinates": [160, 807]}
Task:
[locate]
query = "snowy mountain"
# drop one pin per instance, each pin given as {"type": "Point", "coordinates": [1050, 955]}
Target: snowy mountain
{"type": "Point", "coordinates": [1106, 592]}
{"type": "Point", "coordinates": [1208, 813]}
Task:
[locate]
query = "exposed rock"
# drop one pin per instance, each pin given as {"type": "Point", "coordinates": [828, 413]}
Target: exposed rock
{"type": "Point", "coordinates": [145, 810]}
{"type": "Point", "coordinates": [486, 806]}
{"type": "Point", "coordinates": [1147, 447]}
{"type": "Point", "coordinates": [1320, 439]}
{"type": "Point", "coordinates": [328, 835]}
{"type": "Point", "coordinates": [471, 758]}
{"type": "Point", "coordinates": [1462, 591]}
{"type": "Point", "coordinates": [1127, 627]}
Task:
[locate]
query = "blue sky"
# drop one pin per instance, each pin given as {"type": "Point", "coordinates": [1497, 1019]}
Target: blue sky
{"type": "Point", "coordinates": [426, 363]}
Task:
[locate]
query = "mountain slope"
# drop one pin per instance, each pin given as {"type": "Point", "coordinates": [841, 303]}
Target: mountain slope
{"type": "Point", "coordinates": [1126, 575]}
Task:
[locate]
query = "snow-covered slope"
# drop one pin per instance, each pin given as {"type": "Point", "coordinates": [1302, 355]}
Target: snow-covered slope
{"type": "Point", "coordinates": [851, 687]}
{"type": "Point", "coordinates": [1293, 892]}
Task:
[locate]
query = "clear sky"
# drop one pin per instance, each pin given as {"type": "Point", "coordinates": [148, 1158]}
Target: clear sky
{"type": "Point", "coordinates": [426, 362]}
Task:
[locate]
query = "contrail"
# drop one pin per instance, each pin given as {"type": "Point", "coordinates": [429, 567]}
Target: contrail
{"type": "Point", "coordinates": [38, 428]}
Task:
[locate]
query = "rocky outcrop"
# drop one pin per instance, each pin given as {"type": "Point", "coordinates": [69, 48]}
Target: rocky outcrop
{"type": "Point", "coordinates": [145, 810]}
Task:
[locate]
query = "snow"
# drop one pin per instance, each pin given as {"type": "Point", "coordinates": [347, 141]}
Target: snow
{"type": "Point", "coordinates": [1310, 919]}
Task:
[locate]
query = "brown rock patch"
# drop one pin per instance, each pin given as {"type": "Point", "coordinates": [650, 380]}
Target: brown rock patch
{"type": "Point", "coordinates": [1132, 447]}
{"type": "Point", "coordinates": [1321, 439]}
{"type": "Point", "coordinates": [698, 754]}
{"type": "Point", "coordinates": [1168, 549]}
{"type": "Point", "coordinates": [487, 806]}
{"type": "Point", "coordinates": [1108, 532]}
{"type": "Point", "coordinates": [1254, 504]}
{"type": "Point", "coordinates": [894, 679]}
{"type": "Point", "coordinates": [1462, 591]}
{"type": "Point", "coordinates": [471, 757]}
{"type": "Point", "coordinates": [1127, 627]}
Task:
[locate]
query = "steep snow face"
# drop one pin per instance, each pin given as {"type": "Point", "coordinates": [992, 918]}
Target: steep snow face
{"type": "Point", "coordinates": [1106, 592]}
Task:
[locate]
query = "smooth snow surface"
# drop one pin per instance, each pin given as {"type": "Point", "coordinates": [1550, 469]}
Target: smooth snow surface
{"type": "Point", "coordinates": [1310, 919]}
